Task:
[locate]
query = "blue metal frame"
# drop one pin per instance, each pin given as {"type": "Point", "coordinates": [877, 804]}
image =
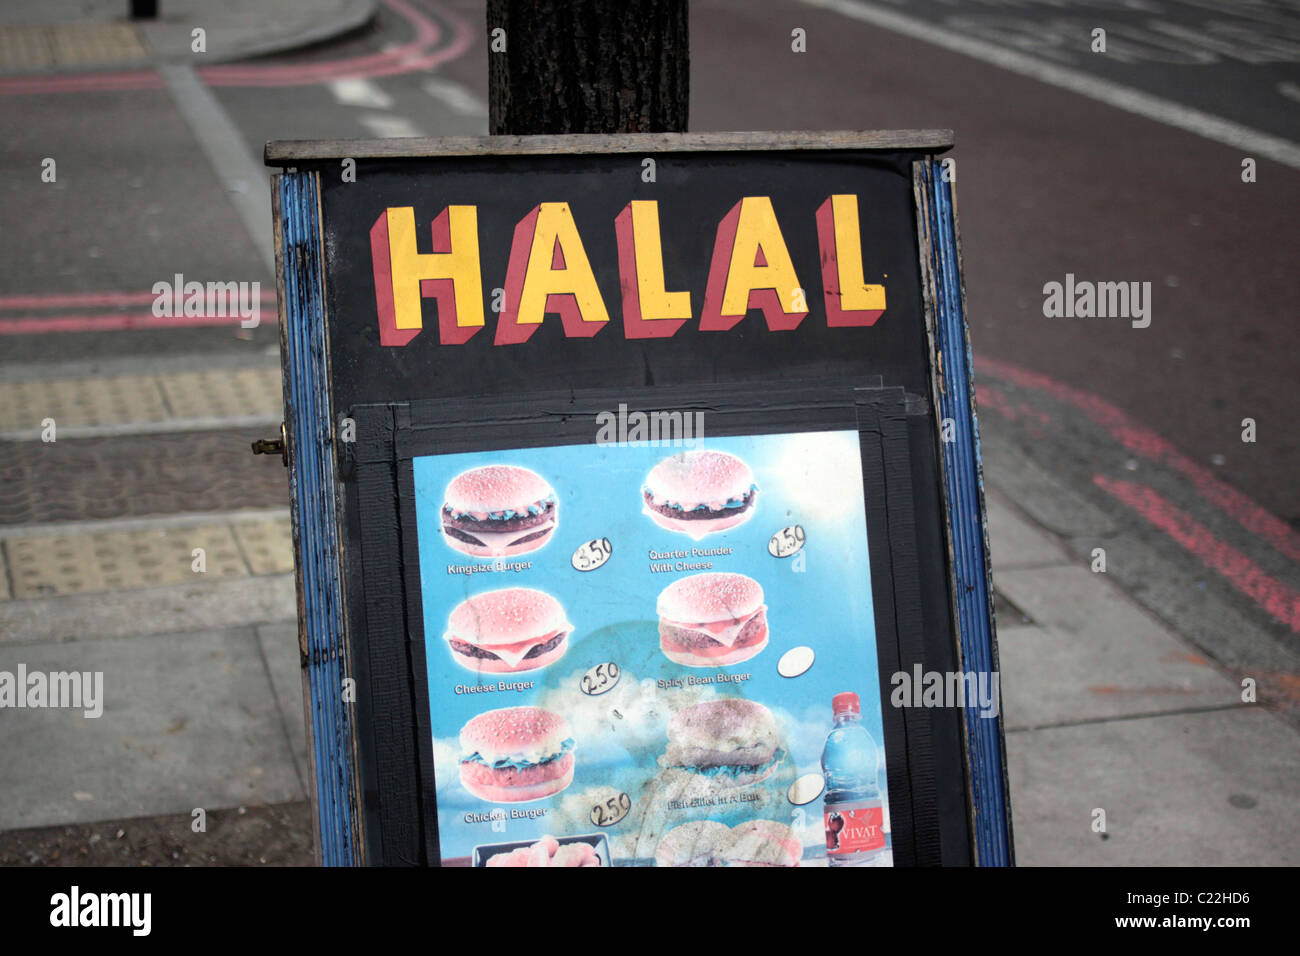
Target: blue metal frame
{"type": "Point", "coordinates": [963, 472]}
{"type": "Point", "coordinates": [314, 493]}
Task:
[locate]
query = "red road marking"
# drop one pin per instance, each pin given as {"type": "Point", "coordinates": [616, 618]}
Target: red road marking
{"type": "Point", "coordinates": [1243, 574]}
{"type": "Point", "coordinates": [75, 300]}
{"type": "Point", "coordinates": [113, 322]}
{"type": "Point", "coordinates": [409, 57]}
{"type": "Point", "coordinates": [1143, 441]}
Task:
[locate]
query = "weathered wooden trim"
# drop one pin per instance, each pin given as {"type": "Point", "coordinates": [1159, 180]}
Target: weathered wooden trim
{"type": "Point", "coordinates": [289, 152]}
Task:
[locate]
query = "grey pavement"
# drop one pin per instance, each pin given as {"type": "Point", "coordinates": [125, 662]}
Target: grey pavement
{"type": "Point", "coordinates": [38, 36]}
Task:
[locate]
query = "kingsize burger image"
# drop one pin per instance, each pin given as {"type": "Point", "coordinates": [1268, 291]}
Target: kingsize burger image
{"type": "Point", "coordinates": [712, 620]}
{"type": "Point", "coordinates": [499, 510]}
{"type": "Point", "coordinates": [731, 742]}
{"type": "Point", "coordinates": [508, 630]}
{"type": "Point", "coordinates": [699, 492]}
{"type": "Point", "coordinates": [516, 754]}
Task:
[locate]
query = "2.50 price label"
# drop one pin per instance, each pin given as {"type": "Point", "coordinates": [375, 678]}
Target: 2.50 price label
{"type": "Point", "coordinates": [592, 554]}
{"type": "Point", "coordinates": [609, 812]}
{"type": "Point", "coordinates": [786, 542]}
{"type": "Point", "coordinates": [600, 679]}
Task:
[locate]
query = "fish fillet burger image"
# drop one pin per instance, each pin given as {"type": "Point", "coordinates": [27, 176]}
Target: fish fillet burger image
{"type": "Point", "coordinates": [731, 742]}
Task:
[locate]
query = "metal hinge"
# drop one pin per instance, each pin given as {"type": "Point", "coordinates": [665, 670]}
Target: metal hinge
{"type": "Point", "coordinates": [274, 446]}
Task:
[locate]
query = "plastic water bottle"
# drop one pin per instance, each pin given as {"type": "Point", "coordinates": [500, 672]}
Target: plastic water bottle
{"type": "Point", "coordinates": [855, 834]}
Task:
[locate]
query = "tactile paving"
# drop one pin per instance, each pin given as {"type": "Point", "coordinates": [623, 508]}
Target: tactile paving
{"type": "Point", "coordinates": [224, 393]}
{"type": "Point", "coordinates": [55, 565]}
{"type": "Point", "coordinates": [80, 402]}
{"type": "Point", "coordinates": [29, 47]}
{"type": "Point", "coordinates": [267, 545]}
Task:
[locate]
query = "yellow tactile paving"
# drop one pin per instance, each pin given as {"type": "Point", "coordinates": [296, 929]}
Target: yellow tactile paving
{"type": "Point", "coordinates": [125, 400]}
{"type": "Point", "coordinates": [81, 401]}
{"type": "Point", "coordinates": [55, 565]}
{"type": "Point", "coordinates": [223, 394]}
{"type": "Point", "coordinates": [268, 545]}
{"type": "Point", "coordinates": [4, 577]}
{"type": "Point", "coordinates": [25, 47]}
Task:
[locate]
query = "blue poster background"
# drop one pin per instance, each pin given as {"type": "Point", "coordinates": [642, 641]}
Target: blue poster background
{"type": "Point", "coordinates": [819, 598]}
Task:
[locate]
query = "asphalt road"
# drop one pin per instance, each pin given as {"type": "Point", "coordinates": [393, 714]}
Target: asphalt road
{"type": "Point", "coordinates": [1052, 181]}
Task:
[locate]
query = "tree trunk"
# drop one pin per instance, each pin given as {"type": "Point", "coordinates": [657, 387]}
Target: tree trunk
{"type": "Point", "coordinates": [588, 66]}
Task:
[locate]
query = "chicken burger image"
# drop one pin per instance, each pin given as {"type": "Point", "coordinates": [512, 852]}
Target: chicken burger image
{"type": "Point", "coordinates": [505, 631]}
{"type": "Point", "coordinates": [699, 492]}
{"type": "Point", "coordinates": [712, 620]}
{"type": "Point", "coordinates": [498, 510]}
{"type": "Point", "coordinates": [516, 754]}
{"type": "Point", "coordinates": [731, 742]}
{"type": "Point", "coordinates": [708, 843]}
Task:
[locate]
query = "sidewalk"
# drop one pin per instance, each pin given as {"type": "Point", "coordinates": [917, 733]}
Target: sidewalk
{"type": "Point", "coordinates": [39, 36]}
{"type": "Point", "coordinates": [1104, 707]}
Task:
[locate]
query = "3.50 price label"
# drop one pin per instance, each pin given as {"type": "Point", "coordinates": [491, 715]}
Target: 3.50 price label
{"type": "Point", "coordinates": [600, 679]}
{"type": "Point", "coordinates": [609, 812]}
{"type": "Point", "coordinates": [786, 542]}
{"type": "Point", "coordinates": [592, 554]}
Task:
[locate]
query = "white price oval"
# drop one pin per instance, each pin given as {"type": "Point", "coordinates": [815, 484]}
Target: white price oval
{"type": "Point", "coordinates": [608, 812]}
{"type": "Point", "coordinates": [786, 542]}
{"type": "Point", "coordinates": [600, 679]}
{"type": "Point", "coordinates": [592, 554]}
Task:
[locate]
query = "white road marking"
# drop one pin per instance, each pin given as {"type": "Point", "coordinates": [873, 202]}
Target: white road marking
{"type": "Point", "coordinates": [1250, 141]}
{"type": "Point", "coordinates": [360, 92]}
{"type": "Point", "coordinates": [386, 126]}
{"type": "Point", "coordinates": [247, 182]}
{"type": "Point", "coordinates": [457, 98]}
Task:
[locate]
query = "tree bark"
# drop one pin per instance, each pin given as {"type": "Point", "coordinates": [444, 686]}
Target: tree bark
{"type": "Point", "coordinates": [588, 66]}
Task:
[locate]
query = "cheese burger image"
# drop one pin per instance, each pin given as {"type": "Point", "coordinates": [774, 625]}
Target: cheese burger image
{"type": "Point", "coordinates": [516, 754]}
{"type": "Point", "coordinates": [731, 742]}
{"type": "Point", "coordinates": [712, 620]}
{"type": "Point", "coordinates": [498, 510]}
{"type": "Point", "coordinates": [699, 492]}
{"type": "Point", "coordinates": [506, 631]}
{"type": "Point", "coordinates": [709, 843]}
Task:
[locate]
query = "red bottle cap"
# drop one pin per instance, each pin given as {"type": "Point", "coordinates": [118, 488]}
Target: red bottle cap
{"type": "Point", "coordinates": [846, 703]}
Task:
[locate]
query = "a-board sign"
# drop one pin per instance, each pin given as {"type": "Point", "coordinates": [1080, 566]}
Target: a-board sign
{"type": "Point", "coordinates": [637, 503]}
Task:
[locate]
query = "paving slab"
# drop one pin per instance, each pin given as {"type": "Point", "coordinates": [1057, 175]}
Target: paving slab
{"type": "Point", "coordinates": [1216, 788]}
{"type": "Point", "coordinates": [280, 647]}
{"type": "Point", "coordinates": [1015, 542]}
{"type": "Point", "coordinates": [226, 603]}
{"type": "Point", "coordinates": [1095, 654]}
{"type": "Point", "coordinates": [189, 720]}
{"type": "Point", "coordinates": [1050, 677]}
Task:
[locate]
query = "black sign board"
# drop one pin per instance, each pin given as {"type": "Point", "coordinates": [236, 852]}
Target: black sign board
{"type": "Point", "coordinates": [636, 502]}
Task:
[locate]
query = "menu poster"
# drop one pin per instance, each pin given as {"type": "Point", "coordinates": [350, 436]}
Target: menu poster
{"type": "Point", "coordinates": [633, 648]}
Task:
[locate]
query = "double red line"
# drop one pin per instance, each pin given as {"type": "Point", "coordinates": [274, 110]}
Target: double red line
{"type": "Point", "coordinates": [125, 316]}
{"type": "Point", "coordinates": [1276, 598]}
